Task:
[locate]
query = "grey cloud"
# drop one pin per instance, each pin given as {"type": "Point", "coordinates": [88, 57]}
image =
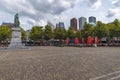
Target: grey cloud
{"type": "Point", "coordinates": [110, 14]}
{"type": "Point", "coordinates": [117, 3]}
{"type": "Point", "coordinates": [114, 11]}
{"type": "Point", "coordinates": [90, 2]}
{"type": "Point", "coordinates": [35, 9]}
{"type": "Point", "coordinates": [52, 8]}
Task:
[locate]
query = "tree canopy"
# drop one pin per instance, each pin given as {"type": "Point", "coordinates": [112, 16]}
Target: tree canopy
{"type": "Point", "coordinates": [59, 33]}
{"type": "Point", "coordinates": [48, 32]}
{"type": "Point", "coordinates": [5, 33]}
{"type": "Point", "coordinates": [35, 33]}
{"type": "Point", "coordinates": [70, 33]}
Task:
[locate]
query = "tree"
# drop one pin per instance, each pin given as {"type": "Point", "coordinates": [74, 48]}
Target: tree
{"type": "Point", "coordinates": [116, 23]}
{"type": "Point", "coordinates": [23, 34]}
{"type": "Point", "coordinates": [79, 34]}
{"type": "Point", "coordinates": [100, 30]}
{"type": "Point", "coordinates": [70, 33]}
{"type": "Point", "coordinates": [60, 33]}
{"type": "Point", "coordinates": [36, 33]}
{"type": "Point", "coordinates": [5, 33]}
{"type": "Point", "coordinates": [87, 31]}
{"type": "Point", "coordinates": [48, 33]}
{"type": "Point", "coordinates": [114, 28]}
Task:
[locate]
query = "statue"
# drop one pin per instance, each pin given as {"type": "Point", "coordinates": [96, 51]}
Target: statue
{"type": "Point", "coordinates": [16, 21]}
{"type": "Point", "coordinates": [16, 42]}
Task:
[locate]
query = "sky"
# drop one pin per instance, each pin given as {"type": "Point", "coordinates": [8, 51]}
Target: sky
{"type": "Point", "coordinates": [38, 12]}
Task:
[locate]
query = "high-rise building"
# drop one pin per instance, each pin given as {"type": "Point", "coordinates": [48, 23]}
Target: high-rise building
{"type": "Point", "coordinates": [92, 20]}
{"type": "Point", "coordinates": [50, 24]}
{"type": "Point", "coordinates": [57, 25]}
{"type": "Point", "coordinates": [61, 25]}
{"type": "Point", "coordinates": [82, 21]}
{"type": "Point", "coordinates": [73, 23]}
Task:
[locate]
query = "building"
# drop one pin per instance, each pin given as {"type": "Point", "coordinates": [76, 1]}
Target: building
{"type": "Point", "coordinates": [57, 25]}
{"type": "Point", "coordinates": [82, 21]}
{"type": "Point", "coordinates": [73, 23]}
{"type": "Point", "coordinates": [61, 25]}
{"type": "Point", "coordinates": [92, 20]}
{"type": "Point", "coordinates": [50, 24]}
{"type": "Point", "coordinates": [27, 34]}
{"type": "Point", "coordinates": [10, 25]}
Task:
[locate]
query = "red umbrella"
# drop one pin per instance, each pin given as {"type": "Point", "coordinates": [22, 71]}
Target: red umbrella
{"type": "Point", "coordinates": [83, 41]}
{"type": "Point", "coordinates": [89, 40]}
{"type": "Point", "coordinates": [67, 40]}
{"type": "Point", "coordinates": [76, 40]}
{"type": "Point", "coordinates": [96, 40]}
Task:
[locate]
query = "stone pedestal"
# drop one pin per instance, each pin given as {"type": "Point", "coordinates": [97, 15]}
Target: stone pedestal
{"type": "Point", "coordinates": [16, 42]}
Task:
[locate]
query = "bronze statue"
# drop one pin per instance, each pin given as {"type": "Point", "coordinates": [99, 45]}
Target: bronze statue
{"type": "Point", "coordinates": [16, 21]}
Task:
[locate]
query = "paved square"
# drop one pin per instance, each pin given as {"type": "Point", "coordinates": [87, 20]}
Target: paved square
{"type": "Point", "coordinates": [60, 63]}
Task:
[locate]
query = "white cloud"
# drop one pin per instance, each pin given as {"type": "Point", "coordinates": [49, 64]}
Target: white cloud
{"type": "Point", "coordinates": [115, 11]}
{"type": "Point", "coordinates": [97, 4]}
{"type": "Point", "coordinates": [114, 1]}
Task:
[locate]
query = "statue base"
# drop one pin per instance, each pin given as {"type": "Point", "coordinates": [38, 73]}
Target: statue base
{"type": "Point", "coordinates": [16, 42]}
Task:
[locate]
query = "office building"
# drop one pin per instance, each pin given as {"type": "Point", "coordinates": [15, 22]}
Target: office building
{"type": "Point", "coordinates": [82, 21]}
{"type": "Point", "coordinates": [92, 20]}
{"type": "Point", "coordinates": [50, 24]}
{"type": "Point", "coordinates": [73, 23]}
{"type": "Point", "coordinates": [61, 25]}
{"type": "Point", "coordinates": [57, 25]}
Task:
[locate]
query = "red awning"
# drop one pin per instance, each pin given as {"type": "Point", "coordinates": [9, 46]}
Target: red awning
{"type": "Point", "coordinates": [89, 40]}
{"type": "Point", "coordinates": [76, 40]}
{"type": "Point", "coordinates": [96, 40]}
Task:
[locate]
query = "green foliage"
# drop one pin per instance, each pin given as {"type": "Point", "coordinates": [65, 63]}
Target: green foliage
{"type": "Point", "coordinates": [23, 34]}
{"type": "Point", "coordinates": [116, 23]}
{"type": "Point", "coordinates": [114, 28]}
{"type": "Point", "coordinates": [59, 33]}
{"type": "Point", "coordinates": [5, 33]}
{"type": "Point", "coordinates": [87, 31]}
{"type": "Point", "coordinates": [35, 33]}
{"type": "Point", "coordinates": [100, 30]}
{"type": "Point", "coordinates": [48, 32]}
{"type": "Point", "coordinates": [79, 34]}
{"type": "Point", "coordinates": [70, 33]}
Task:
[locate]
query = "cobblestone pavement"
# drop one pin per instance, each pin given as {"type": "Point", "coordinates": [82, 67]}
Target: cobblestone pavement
{"type": "Point", "coordinates": [60, 63]}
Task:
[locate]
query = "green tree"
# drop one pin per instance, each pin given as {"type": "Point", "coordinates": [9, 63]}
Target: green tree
{"type": "Point", "coordinates": [70, 33]}
{"type": "Point", "coordinates": [79, 34]}
{"type": "Point", "coordinates": [114, 28]}
{"type": "Point", "coordinates": [5, 33]}
{"type": "Point", "coordinates": [23, 34]}
{"type": "Point", "coordinates": [59, 33]}
{"type": "Point", "coordinates": [100, 30]}
{"type": "Point", "coordinates": [87, 31]}
{"type": "Point", "coordinates": [116, 23]}
{"type": "Point", "coordinates": [48, 32]}
{"type": "Point", "coordinates": [36, 33]}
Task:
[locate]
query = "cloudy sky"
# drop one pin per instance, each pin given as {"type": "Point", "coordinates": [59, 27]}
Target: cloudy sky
{"type": "Point", "coordinates": [38, 12]}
